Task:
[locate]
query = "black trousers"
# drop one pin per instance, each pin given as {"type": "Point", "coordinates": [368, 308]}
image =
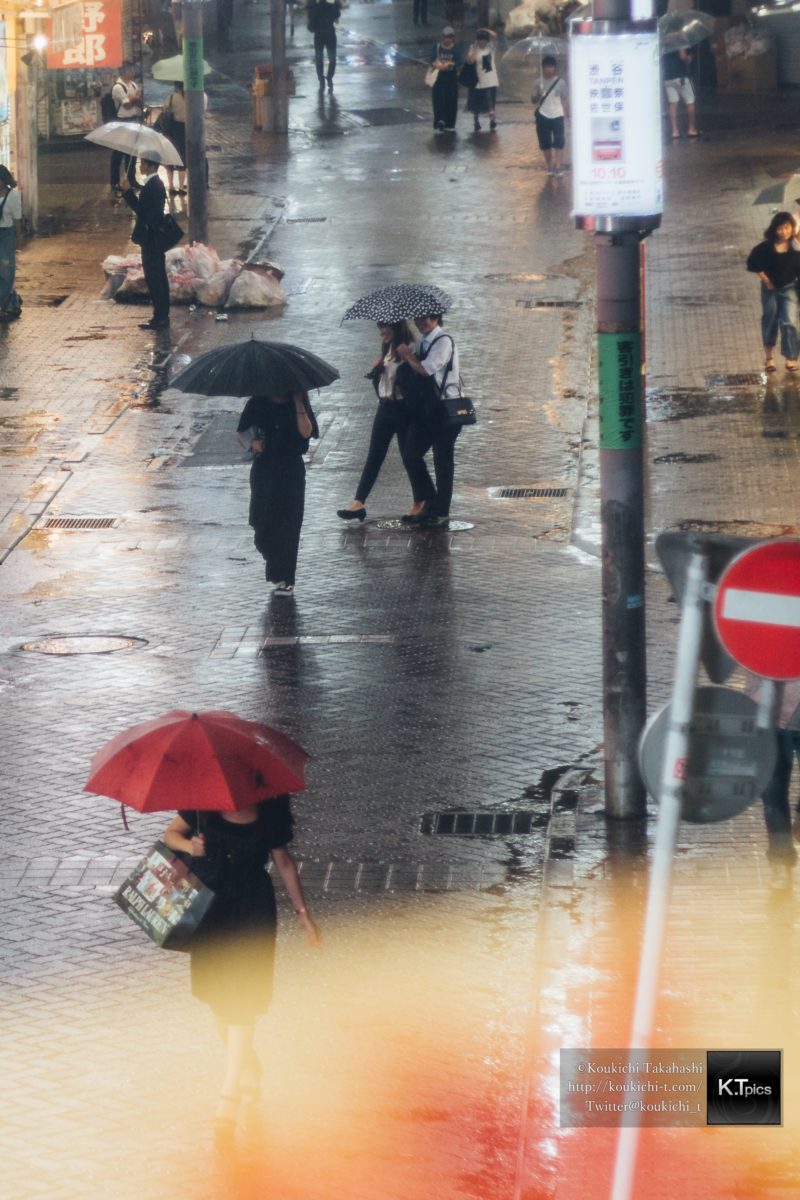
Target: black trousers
{"type": "Point", "coordinates": [322, 42]}
{"type": "Point", "coordinates": [155, 273]}
{"type": "Point", "coordinates": [277, 504]}
{"type": "Point", "coordinates": [421, 436]}
{"type": "Point", "coordinates": [117, 160]}
{"type": "Point", "coordinates": [444, 94]}
{"type": "Point", "coordinates": [421, 12]}
{"type": "Point", "coordinates": [390, 420]}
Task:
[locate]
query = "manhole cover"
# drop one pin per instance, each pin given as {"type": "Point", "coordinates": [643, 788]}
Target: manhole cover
{"type": "Point", "coordinates": [396, 523]}
{"type": "Point", "coordinates": [80, 643]}
{"type": "Point", "coordinates": [80, 523]}
{"type": "Point", "coordinates": [680, 457]}
{"type": "Point", "coordinates": [45, 301]}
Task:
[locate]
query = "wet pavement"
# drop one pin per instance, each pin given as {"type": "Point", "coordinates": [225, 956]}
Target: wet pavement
{"type": "Point", "coordinates": [428, 674]}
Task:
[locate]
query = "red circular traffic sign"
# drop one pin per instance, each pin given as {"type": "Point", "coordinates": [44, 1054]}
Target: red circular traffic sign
{"type": "Point", "coordinates": [757, 609]}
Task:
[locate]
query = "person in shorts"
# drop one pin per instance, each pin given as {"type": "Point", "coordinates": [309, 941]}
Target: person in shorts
{"type": "Point", "coordinates": [551, 111]}
{"type": "Point", "coordinates": [678, 87]}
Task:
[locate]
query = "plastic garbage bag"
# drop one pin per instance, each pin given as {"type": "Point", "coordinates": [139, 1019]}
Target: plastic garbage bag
{"type": "Point", "coordinates": [255, 288]}
{"type": "Point", "coordinates": [213, 292]}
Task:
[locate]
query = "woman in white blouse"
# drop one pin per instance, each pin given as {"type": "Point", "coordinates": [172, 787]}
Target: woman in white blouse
{"type": "Point", "coordinates": [10, 211]}
{"type": "Point", "coordinates": [483, 97]}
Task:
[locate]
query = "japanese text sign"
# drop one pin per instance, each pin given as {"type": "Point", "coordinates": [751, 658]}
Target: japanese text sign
{"type": "Point", "coordinates": [87, 34]}
{"type": "Point", "coordinates": [616, 125]}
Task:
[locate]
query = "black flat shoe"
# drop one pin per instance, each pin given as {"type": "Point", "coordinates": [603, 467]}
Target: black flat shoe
{"type": "Point", "coordinates": [351, 514]}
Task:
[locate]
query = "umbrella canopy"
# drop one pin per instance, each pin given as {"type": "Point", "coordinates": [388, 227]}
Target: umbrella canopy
{"type": "Point", "coordinates": [530, 50]}
{"type": "Point", "coordinates": [171, 69]}
{"type": "Point", "coordinates": [137, 140]}
{"type": "Point", "coordinates": [255, 368]}
{"type": "Point", "coordinates": [400, 302]}
{"type": "Point", "coordinates": [681, 30]}
{"type": "Point", "coordinates": [209, 761]}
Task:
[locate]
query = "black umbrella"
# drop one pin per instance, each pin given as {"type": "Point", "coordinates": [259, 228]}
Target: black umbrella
{"type": "Point", "coordinates": [255, 368]}
{"type": "Point", "coordinates": [400, 302]}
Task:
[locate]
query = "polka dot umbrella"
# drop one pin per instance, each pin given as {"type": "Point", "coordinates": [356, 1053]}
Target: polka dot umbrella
{"type": "Point", "coordinates": [400, 302]}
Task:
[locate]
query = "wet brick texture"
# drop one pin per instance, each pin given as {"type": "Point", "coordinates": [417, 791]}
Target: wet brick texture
{"type": "Point", "coordinates": [424, 673]}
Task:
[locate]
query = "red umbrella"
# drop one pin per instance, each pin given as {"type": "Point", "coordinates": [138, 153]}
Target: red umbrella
{"type": "Point", "coordinates": [212, 761]}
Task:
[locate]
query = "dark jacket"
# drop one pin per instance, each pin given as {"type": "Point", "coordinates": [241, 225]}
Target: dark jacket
{"type": "Point", "coordinates": [322, 16]}
{"type": "Point", "coordinates": [781, 270]}
{"type": "Point", "coordinates": [149, 209]}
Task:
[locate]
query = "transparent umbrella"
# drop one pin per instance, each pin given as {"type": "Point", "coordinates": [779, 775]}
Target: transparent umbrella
{"type": "Point", "coordinates": [170, 70]}
{"type": "Point", "coordinates": [140, 141]}
{"type": "Point", "coordinates": [682, 30]}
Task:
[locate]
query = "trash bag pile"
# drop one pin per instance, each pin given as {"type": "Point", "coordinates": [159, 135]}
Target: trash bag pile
{"type": "Point", "coordinates": [742, 41]}
{"type": "Point", "coordinates": [197, 275]}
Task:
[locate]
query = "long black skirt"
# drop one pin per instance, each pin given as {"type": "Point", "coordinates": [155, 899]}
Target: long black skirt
{"type": "Point", "coordinates": [277, 503]}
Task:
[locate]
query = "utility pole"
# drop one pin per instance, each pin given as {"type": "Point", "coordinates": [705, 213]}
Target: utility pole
{"type": "Point", "coordinates": [194, 89]}
{"type": "Point", "coordinates": [617, 194]}
{"type": "Point", "coordinates": [280, 93]}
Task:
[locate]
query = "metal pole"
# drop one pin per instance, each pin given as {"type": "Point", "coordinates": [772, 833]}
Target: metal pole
{"type": "Point", "coordinates": [619, 342]}
{"type": "Point", "coordinates": [669, 814]}
{"type": "Point", "coordinates": [194, 86]}
{"type": "Point", "coordinates": [621, 397]}
{"type": "Point", "coordinates": [280, 97]}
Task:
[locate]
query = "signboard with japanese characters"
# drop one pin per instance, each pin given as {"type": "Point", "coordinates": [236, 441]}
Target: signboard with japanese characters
{"type": "Point", "coordinates": [616, 125]}
{"type": "Point", "coordinates": [86, 34]}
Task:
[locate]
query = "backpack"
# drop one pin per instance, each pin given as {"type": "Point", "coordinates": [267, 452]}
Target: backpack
{"type": "Point", "coordinates": [108, 108]}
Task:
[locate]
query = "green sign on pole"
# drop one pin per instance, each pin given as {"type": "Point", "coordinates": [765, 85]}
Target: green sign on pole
{"type": "Point", "coordinates": [620, 374]}
{"type": "Point", "coordinates": [193, 64]}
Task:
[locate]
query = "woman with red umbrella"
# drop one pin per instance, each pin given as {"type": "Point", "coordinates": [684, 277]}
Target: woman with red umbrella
{"type": "Point", "coordinates": [233, 776]}
{"type": "Point", "coordinates": [232, 952]}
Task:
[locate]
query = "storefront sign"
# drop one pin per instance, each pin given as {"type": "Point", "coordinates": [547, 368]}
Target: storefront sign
{"type": "Point", "coordinates": [87, 34]}
{"type": "Point", "coordinates": [616, 125]}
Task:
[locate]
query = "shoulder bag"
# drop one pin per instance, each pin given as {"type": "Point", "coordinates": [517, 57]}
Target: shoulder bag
{"type": "Point", "coordinates": [169, 234]}
{"type": "Point", "coordinates": [537, 110]}
{"type": "Point", "coordinates": [431, 75]}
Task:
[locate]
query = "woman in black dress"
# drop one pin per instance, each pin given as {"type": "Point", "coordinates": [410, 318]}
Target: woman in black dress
{"type": "Point", "coordinates": [281, 427]}
{"type": "Point", "coordinates": [232, 952]}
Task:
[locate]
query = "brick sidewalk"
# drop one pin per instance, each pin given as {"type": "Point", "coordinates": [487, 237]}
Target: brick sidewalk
{"type": "Point", "coordinates": [424, 673]}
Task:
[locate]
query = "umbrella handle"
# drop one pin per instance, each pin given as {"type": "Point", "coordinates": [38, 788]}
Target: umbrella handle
{"type": "Point", "coordinates": [124, 816]}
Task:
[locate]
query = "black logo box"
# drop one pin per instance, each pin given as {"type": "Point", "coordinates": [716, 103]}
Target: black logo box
{"type": "Point", "coordinates": [744, 1087]}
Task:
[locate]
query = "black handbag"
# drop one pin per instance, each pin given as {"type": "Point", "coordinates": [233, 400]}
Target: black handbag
{"type": "Point", "coordinates": [165, 122]}
{"type": "Point", "coordinates": [459, 411]}
{"type": "Point", "coordinates": [169, 234]}
{"type": "Point", "coordinates": [468, 75]}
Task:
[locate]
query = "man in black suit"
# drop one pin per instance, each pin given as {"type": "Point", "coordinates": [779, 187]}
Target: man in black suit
{"type": "Point", "coordinates": [147, 234]}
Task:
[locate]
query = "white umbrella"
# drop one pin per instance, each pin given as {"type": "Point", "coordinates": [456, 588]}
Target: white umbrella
{"type": "Point", "coordinates": [135, 140]}
{"type": "Point", "coordinates": [168, 70]}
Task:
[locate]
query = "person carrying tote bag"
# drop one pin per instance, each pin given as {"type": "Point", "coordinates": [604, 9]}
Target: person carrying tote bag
{"type": "Point", "coordinates": [483, 96]}
{"type": "Point", "coordinates": [445, 61]}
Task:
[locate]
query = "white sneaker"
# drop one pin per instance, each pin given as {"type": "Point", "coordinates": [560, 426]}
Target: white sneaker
{"type": "Point", "coordinates": [283, 589]}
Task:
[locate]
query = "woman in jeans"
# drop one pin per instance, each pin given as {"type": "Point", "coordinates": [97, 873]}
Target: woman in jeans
{"type": "Point", "coordinates": [777, 265]}
{"type": "Point", "coordinates": [391, 420]}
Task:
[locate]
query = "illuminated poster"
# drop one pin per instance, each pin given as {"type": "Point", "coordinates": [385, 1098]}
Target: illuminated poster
{"type": "Point", "coordinates": [616, 125]}
{"type": "Point", "coordinates": [87, 34]}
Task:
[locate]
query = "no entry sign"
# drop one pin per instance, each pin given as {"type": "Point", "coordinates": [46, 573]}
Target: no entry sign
{"type": "Point", "coordinates": [757, 609]}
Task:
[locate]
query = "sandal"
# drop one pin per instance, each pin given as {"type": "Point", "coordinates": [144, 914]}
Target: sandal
{"type": "Point", "coordinates": [792, 365]}
{"type": "Point", "coordinates": [769, 366]}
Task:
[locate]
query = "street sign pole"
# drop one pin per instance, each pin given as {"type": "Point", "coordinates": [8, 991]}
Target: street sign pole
{"type": "Point", "coordinates": [194, 87]}
{"type": "Point", "coordinates": [669, 815]}
{"type": "Point", "coordinates": [280, 91]}
{"type": "Point", "coordinates": [617, 194]}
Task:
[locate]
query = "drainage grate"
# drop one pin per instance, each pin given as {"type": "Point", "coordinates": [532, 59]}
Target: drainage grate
{"type": "Point", "coordinates": [482, 824]}
{"type": "Point", "coordinates": [8, 393]}
{"type": "Point", "coordinates": [305, 220]}
{"type": "Point", "coordinates": [80, 522]}
{"type": "Point", "coordinates": [750, 379]}
{"type": "Point", "coordinates": [549, 303]}
{"type": "Point", "coordinates": [531, 493]}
